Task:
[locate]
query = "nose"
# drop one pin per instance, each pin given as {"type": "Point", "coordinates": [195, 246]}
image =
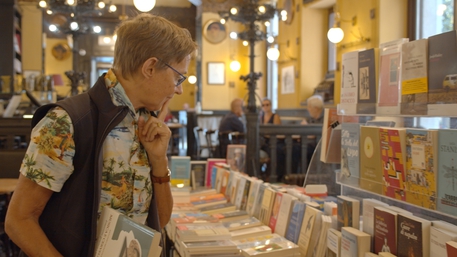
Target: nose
{"type": "Point", "coordinates": [178, 90]}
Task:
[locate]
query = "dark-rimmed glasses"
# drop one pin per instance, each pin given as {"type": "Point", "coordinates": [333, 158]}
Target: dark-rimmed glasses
{"type": "Point", "coordinates": [182, 79]}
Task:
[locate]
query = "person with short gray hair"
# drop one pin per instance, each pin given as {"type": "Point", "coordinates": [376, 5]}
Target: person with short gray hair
{"type": "Point", "coordinates": [104, 147]}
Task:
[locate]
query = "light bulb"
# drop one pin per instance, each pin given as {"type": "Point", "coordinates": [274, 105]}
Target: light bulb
{"type": "Point", "coordinates": [273, 54]}
{"type": "Point", "coordinates": [112, 8]}
{"type": "Point", "coordinates": [267, 23]}
{"type": "Point", "coordinates": [42, 4]}
{"type": "Point", "coordinates": [233, 11]}
{"type": "Point", "coordinates": [101, 5]}
{"type": "Point", "coordinates": [97, 29]}
{"type": "Point", "coordinates": [233, 35]}
{"type": "Point", "coordinates": [192, 79]}
{"type": "Point", "coordinates": [235, 66]}
{"type": "Point", "coordinates": [222, 21]}
{"type": "Point", "coordinates": [74, 26]}
{"type": "Point", "coordinates": [262, 9]}
{"type": "Point", "coordinates": [335, 35]}
{"type": "Point", "coordinates": [52, 28]}
{"type": "Point", "coordinates": [144, 5]}
{"type": "Point", "coordinates": [245, 43]}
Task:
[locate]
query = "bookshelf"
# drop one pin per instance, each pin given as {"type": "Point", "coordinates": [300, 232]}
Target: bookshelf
{"type": "Point", "coordinates": [11, 45]}
{"type": "Point", "coordinates": [350, 187]}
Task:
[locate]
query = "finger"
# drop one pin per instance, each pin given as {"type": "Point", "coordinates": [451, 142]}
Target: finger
{"type": "Point", "coordinates": [163, 111]}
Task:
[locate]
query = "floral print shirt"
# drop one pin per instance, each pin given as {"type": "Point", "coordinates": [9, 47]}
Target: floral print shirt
{"type": "Point", "coordinates": [126, 183]}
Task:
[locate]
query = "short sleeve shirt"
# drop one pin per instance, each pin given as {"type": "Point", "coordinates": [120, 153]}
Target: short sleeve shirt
{"type": "Point", "coordinates": [126, 183]}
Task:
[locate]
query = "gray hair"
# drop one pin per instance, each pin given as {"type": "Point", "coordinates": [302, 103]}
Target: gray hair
{"type": "Point", "coordinates": [315, 101]}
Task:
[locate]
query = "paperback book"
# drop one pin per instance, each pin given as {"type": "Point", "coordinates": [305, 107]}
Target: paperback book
{"type": "Point", "coordinates": [414, 73]}
{"type": "Point", "coordinates": [442, 74]}
{"type": "Point", "coordinates": [421, 167]}
{"type": "Point", "coordinates": [389, 77]}
{"type": "Point", "coordinates": [393, 156]}
{"type": "Point", "coordinates": [447, 171]}
{"type": "Point", "coordinates": [349, 82]}
{"type": "Point", "coordinates": [348, 212]}
{"type": "Point", "coordinates": [180, 170]}
{"type": "Point", "coordinates": [117, 235]}
{"type": "Point", "coordinates": [413, 235]}
{"type": "Point", "coordinates": [354, 243]}
{"type": "Point", "coordinates": [368, 81]}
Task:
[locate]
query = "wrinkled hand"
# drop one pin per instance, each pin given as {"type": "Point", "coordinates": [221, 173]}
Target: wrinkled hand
{"type": "Point", "coordinates": [154, 134]}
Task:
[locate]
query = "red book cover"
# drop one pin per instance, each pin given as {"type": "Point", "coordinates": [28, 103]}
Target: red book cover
{"type": "Point", "coordinates": [392, 144]}
{"type": "Point", "coordinates": [209, 167]}
{"type": "Point", "coordinates": [451, 248]}
{"type": "Point", "coordinates": [385, 227]}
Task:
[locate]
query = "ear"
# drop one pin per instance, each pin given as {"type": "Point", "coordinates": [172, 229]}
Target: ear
{"type": "Point", "coordinates": [148, 67]}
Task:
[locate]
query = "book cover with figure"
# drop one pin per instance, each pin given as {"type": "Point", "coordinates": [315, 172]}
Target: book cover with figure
{"type": "Point", "coordinates": [119, 235]}
{"type": "Point", "coordinates": [421, 167]}
{"type": "Point", "coordinates": [393, 156]}
{"type": "Point", "coordinates": [385, 230]}
{"type": "Point", "coordinates": [350, 149]}
{"type": "Point", "coordinates": [447, 171]}
{"type": "Point", "coordinates": [349, 82]}
{"type": "Point", "coordinates": [348, 212]}
{"type": "Point", "coordinates": [414, 84]}
{"type": "Point", "coordinates": [368, 81]}
{"type": "Point", "coordinates": [442, 73]}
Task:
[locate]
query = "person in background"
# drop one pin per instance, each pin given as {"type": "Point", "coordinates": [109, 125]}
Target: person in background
{"type": "Point", "coordinates": [315, 107]}
{"type": "Point", "coordinates": [115, 151]}
{"type": "Point", "coordinates": [234, 121]}
{"type": "Point", "coordinates": [267, 116]}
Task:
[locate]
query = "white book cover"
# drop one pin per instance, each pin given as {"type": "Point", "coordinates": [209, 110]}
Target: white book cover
{"type": "Point", "coordinates": [354, 243]}
{"type": "Point", "coordinates": [368, 205]}
{"type": "Point", "coordinates": [349, 82]}
{"type": "Point", "coordinates": [119, 235]}
{"type": "Point", "coordinates": [438, 239]}
{"type": "Point", "coordinates": [309, 232]}
{"type": "Point", "coordinates": [321, 246]}
{"type": "Point", "coordinates": [253, 193]}
{"type": "Point", "coordinates": [242, 192]}
{"type": "Point", "coordinates": [266, 205]}
{"type": "Point", "coordinates": [285, 210]}
{"type": "Point", "coordinates": [333, 243]}
{"type": "Point", "coordinates": [250, 232]}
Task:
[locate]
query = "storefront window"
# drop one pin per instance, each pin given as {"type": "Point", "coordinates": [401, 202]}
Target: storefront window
{"type": "Point", "coordinates": [434, 17]}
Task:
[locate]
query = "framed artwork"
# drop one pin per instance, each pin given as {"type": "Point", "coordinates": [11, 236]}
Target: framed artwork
{"type": "Point", "coordinates": [216, 73]}
{"type": "Point", "coordinates": [214, 31]}
{"type": "Point", "coordinates": [288, 80]}
{"type": "Point", "coordinates": [61, 51]}
{"type": "Point", "coordinates": [236, 157]}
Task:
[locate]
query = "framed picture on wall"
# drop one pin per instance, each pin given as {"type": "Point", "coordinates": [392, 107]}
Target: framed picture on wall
{"type": "Point", "coordinates": [216, 73]}
{"type": "Point", "coordinates": [214, 31]}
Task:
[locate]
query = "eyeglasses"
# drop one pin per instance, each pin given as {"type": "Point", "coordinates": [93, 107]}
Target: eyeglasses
{"type": "Point", "coordinates": [182, 79]}
{"type": "Point", "coordinates": [263, 105]}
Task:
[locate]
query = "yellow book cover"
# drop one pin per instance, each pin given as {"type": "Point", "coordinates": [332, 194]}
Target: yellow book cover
{"type": "Point", "coordinates": [371, 175]}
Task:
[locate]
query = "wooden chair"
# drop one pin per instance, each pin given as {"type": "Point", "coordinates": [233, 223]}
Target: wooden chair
{"type": "Point", "coordinates": [203, 135]}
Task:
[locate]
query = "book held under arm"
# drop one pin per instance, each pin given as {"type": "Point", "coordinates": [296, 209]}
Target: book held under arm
{"type": "Point", "coordinates": [119, 235]}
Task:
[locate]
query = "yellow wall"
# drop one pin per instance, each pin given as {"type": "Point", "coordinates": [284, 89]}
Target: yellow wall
{"type": "Point", "coordinates": [314, 50]}
{"type": "Point", "coordinates": [218, 97]}
{"type": "Point", "coordinates": [31, 37]}
{"type": "Point", "coordinates": [289, 40]}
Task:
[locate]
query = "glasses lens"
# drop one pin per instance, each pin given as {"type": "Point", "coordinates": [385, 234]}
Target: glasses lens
{"type": "Point", "coordinates": [181, 80]}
